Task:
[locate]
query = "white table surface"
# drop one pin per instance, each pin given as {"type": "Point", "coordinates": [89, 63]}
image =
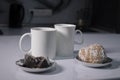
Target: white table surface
{"type": "Point", "coordinates": [66, 69]}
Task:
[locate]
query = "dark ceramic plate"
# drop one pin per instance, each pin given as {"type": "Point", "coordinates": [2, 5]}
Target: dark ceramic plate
{"type": "Point", "coordinates": [20, 63]}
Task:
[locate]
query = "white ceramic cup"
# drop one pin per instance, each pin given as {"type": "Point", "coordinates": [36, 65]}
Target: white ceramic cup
{"type": "Point", "coordinates": [65, 39]}
{"type": "Point", "coordinates": [43, 42]}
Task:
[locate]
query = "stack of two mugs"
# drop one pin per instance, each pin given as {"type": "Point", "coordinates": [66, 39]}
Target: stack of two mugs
{"type": "Point", "coordinates": [49, 42]}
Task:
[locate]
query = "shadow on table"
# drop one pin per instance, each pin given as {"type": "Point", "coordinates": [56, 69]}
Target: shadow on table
{"type": "Point", "coordinates": [114, 65]}
{"type": "Point", "coordinates": [66, 57]}
{"type": "Point", "coordinates": [56, 70]}
{"type": "Point", "coordinates": [69, 57]}
{"type": "Point", "coordinates": [111, 79]}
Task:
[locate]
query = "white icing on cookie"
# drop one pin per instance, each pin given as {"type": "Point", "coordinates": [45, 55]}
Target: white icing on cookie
{"type": "Point", "coordinates": [94, 53]}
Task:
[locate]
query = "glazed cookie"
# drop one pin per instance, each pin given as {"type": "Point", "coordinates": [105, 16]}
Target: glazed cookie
{"type": "Point", "coordinates": [94, 53]}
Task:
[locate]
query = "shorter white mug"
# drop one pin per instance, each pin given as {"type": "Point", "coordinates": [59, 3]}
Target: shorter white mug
{"type": "Point", "coordinates": [43, 42]}
{"type": "Point", "coordinates": [65, 39]}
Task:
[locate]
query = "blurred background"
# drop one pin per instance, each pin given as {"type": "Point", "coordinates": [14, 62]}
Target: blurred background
{"type": "Point", "coordinates": [97, 16]}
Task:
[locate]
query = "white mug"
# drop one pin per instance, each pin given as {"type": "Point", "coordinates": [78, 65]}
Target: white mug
{"type": "Point", "coordinates": [65, 39]}
{"type": "Point", "coordinates": [43, 42]}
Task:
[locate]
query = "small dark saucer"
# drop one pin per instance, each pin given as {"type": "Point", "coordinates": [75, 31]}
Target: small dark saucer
{"type": "Point", "coordinates": [21, 61]}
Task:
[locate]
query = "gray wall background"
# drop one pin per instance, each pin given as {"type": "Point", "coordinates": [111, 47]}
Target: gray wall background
{"type": "Point", "coordinates": [67, 15]}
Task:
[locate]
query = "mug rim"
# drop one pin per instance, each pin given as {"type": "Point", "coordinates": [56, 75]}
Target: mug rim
{"type": "Point", "coordinates": [43, 29]}
{"type": "Point", "coordinates": [65, 25]}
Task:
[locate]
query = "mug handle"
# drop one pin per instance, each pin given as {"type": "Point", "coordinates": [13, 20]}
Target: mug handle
{"type": "Point", "coordinates": [80, 39]}
{"type": "Point", "coordinates": [20, 43]}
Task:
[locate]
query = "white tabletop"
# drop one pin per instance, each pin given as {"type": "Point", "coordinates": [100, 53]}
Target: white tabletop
{"type": "Point", "coordinates": [66, 69]}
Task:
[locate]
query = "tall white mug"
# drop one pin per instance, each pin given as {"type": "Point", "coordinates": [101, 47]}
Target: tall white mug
{"type": "Point", "coordinates": [43, 42]}
{"type": "Point", "coordinates": [65, 39]}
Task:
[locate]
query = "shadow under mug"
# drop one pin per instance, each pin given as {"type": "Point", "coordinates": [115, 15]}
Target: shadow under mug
{"type": "Point", "coordinates": [43, 42]}
{"type": "Point", "coordinates": [66, 38]}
